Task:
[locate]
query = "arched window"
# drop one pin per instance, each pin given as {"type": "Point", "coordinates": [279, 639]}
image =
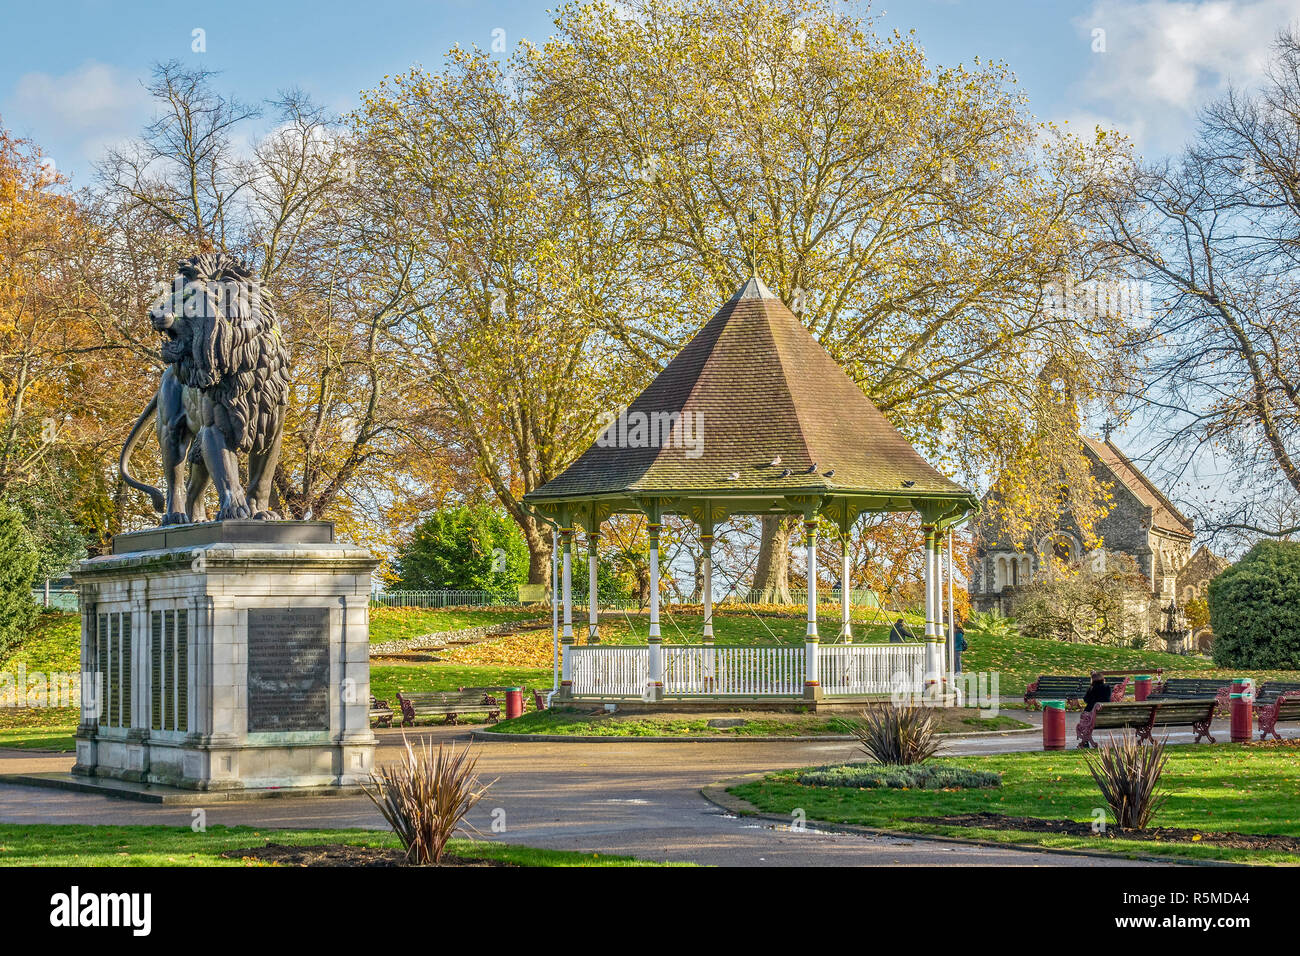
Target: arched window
{"type": "Point", "coordinates": [1059, 546]}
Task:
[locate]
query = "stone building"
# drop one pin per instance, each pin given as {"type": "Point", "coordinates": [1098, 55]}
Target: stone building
{"type": "Point", "coordinates": [1142, 524]}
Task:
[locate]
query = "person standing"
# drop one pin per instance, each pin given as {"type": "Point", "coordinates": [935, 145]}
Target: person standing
{"type": "Point", "coordinates": [958, 645]}
{"type": "Point", "coordinates": [899, 633]}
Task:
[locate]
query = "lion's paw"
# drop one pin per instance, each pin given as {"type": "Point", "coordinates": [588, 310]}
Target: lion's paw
{"type": "Point", "coordinates": [175, 517]}
{"type": "Point", "coordinates": [266, 516]}
{"type": "Point", "coordinates": [235, 511]}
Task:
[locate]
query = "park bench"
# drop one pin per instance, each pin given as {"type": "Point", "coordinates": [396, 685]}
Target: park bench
{"type": "Point", "coordinates": [1282, 703]}
{"type": "Point", "coordinates": [1146, 715]}
{"type": "Point", "coordinates": [1194, 688]}
{"type": "Point", "coordinates": [1271, 690]}
{"type": "Point", "coordinates": [380, 712]}
{"type": "Point", "coordinates": [1071, 688]}
{"type": "Point", "coordinates": [490, 695]}
{"type": "Point", "coordinates": [451, 704]}
{"type": "Point", "coordinates": [497, 693]}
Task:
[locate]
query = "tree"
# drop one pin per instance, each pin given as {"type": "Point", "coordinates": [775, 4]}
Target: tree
{"type": "Point", "coordinates": [1214, 233]}
{"type": "Point", "coordinates": [468, 548]}
{"type": "Point", "coordinates": [1255, 608]}
{"type": "Point", "coordinates": [63, 393]}
{"type": "Point", "coordinates": [1080, 603]}
{"type": "Point", "coordinates": [502, 264]}
{"type": "Point", "coordinates": [915, 217]}
{"type": "Point", "coordinates": [18, 566]}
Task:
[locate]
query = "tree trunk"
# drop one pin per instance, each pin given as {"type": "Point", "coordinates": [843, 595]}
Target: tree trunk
{"type": "Point", "coordinates": [772, 575]}
{"type": "Point", "coordinates": [539, 551]}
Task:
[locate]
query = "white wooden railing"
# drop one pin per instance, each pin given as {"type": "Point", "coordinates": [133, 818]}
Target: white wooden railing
{"type": "Point", "coordinates": [847, 669]}
{"type": "Point", "coordinates": [609, 671]}
{"type": "Point", "coordinates": [752, 671]}
{"type": "Point", "coordinates": [698, 670]}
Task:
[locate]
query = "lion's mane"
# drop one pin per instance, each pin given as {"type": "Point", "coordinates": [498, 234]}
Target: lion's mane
{"type": "Point", "coordinates": [236, 353]}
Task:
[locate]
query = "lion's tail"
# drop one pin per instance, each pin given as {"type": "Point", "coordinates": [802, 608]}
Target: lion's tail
{"type": "Point", "coordinates": [123, 461]}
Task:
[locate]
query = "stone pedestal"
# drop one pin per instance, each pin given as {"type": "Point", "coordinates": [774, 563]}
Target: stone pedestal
{"type": "Point", "coordinates": [225, 656]}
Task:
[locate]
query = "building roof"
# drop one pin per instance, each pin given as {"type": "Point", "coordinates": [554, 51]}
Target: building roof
{"type": "Point", "coordinates": [775, 414]}
{"type": "Point", "coordinates": [1164, 516]}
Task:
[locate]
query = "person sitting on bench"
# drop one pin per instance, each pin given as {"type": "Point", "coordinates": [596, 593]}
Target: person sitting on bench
{"type": "Point", "coordinates": [1098, 692]}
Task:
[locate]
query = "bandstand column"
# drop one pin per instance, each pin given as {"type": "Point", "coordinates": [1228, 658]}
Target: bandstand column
{"type": "Point", "coordinates": [846, 589]}
{"type": "Point", "coordinates": [933, 615]}
{"type": "Point", "coordinates": [706, 561]}
{"type": "Point", "coordinates": [950, 639]}
{"type": "Point", "coordinates": [812, 673]}
{"type": "Point", "coordinates": [656, 676]}
{"type": "Point", "coordinates": [566, 597]}
{"type": "Point", "coordinates": [593, 605]}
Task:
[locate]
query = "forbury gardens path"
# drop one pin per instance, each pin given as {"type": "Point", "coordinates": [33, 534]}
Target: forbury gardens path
{"type": "Point", "coordinates": [623, 797]}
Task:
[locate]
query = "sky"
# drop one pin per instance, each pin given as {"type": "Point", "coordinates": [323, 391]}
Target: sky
{"type": "Point", "coordinates": [72, 73]}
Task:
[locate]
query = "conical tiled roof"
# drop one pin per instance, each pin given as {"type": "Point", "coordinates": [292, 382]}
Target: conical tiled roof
{"type": "Point", "coordinates": [760, 388]}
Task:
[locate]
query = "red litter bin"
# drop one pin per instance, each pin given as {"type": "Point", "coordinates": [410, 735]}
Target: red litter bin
{"type": "Point", "coordinates": [1141, 687]}
{"type": "Point", "coordinates": [1053, 725]}
{"type": "Point", "coordinates": [514, 702]}
{"type": "Point", "coordinates": [1242, 701]}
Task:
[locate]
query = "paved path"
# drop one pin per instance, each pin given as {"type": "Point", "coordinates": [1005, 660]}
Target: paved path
{"type": "Point", "coordinates": [640, 799]}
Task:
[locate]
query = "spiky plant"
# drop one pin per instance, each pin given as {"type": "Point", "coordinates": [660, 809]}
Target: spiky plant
{"type": "Point", "coordinates": [425, 797]}
{"type": "Point", "coordinates": [992, 624]}
{"type": "Point", "coordinates": [1128, 774]}
{"type": "Point", "coordinates": [896, 735]}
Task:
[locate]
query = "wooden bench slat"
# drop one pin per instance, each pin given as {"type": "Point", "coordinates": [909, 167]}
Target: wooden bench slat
{"type": "Point", "coordinates": [1145, 715]}
{"type": "Point", "coordinates": [449, 703]}
{"type": "Point", "coordinates": [1285, 706]}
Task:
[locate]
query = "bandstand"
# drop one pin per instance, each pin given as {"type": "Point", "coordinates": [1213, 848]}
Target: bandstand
{"type": "Point", "coordinates": [752, 417]}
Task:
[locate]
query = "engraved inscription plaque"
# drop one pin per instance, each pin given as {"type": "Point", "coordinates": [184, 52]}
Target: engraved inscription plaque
{"type": "Point", "coordinates": [288, 669]}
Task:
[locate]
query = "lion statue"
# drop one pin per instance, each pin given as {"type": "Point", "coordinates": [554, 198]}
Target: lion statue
{"type": "Point", "coordinates": [223, 393]}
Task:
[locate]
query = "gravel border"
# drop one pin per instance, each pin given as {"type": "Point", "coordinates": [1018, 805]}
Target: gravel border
{"type": "Point", "coordinates": [443, 638]}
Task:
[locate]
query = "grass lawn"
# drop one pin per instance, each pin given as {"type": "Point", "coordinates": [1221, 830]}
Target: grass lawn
{"type": "Point", "coordinates": [38, 728]}
{"type": "Point", "coordinates": [387, 679]}
{"type": "Point", "coordinates": [400, 623]}
{"type": "Point", "coordinates": [57, 845]}
{"type": "Point", "coordinates": [1220, 787]}
{"type": "Point", "coordinates": [53, 646]}
{"type": "Point", "coordinates": [568, 721]}
{"type": "Point", "coordinates": [1020, 660]}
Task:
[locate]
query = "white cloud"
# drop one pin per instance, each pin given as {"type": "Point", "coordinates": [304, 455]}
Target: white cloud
{"type": "Point", "coordinates": [75, 115]}
{"type": "Point", "coordinates": [1163, 60]}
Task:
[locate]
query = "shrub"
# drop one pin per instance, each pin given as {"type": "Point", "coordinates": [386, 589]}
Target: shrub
{"type": "Point", "coordinates": [1081, 603]}
{"type": "Point", "coordinates": [1255, 609]}
{"type": "Point", "coordinates": [896, 735]}
{"type": "Point", "coordinates": [425, 798]}
{"type": "Point", "coordinates": [18, 565]}
{"type": "Point", "coordinates": [1128, 774]}
{"type": "Point", "coordinates": [470, 548]}
{"type": "Point", "coordinates": [915, 777]}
